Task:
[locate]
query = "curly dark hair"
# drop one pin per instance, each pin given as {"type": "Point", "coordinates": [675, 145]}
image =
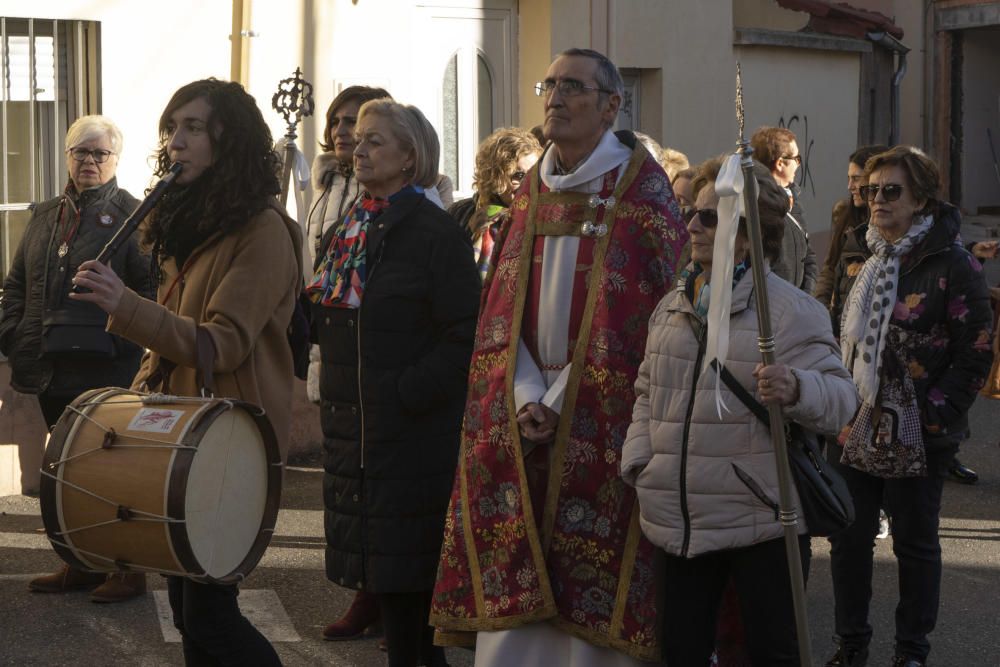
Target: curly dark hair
{"type": "Point", "coordinates": [242, 181]}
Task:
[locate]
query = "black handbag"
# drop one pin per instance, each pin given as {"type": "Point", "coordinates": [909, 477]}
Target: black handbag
{"type": "Point", "coordinates": [66, 335]}
{"type": "Point", "coordinates": [826, 501]}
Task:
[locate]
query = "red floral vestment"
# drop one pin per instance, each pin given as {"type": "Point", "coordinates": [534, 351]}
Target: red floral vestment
{"type": "Point", "coordinates": [586, 567]}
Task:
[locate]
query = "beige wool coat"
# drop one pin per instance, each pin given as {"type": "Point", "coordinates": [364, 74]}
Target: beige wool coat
{"type": "Point", "coordinates": [682, 457]}
{"type": "Point", "coordinates": [241, 288]}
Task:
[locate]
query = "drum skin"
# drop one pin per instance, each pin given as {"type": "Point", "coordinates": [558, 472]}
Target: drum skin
{"type": "Point", "coordinates": [211, 465]}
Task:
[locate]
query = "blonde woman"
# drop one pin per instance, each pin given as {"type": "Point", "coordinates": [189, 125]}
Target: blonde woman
{"type": "Point", "coordinates": [503, 160]}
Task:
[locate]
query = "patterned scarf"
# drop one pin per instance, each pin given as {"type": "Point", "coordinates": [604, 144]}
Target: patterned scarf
{"type": "Point", "coordinates": [865, 321]}
{"type": "Point", "coordinates": [697, 287]}
{"type": "Point", "coordinates": [339, 281]}
{"type": "Point", "coordinates": [884, 439]}
{"type": "Point", "coordinates": [496, 214]}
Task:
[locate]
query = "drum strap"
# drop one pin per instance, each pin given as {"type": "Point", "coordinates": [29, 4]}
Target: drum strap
{"type": "Point", "coordinates": [205, 352]}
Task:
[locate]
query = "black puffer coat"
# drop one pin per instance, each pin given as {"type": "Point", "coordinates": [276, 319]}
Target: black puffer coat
{"type": "Point", "coordinates": [37, 266]}
{"type": "Point", "coordinates": [391, 423]}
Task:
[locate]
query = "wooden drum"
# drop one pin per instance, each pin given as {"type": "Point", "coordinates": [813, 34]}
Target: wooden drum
{"type": "Point", "coordinates": [168, 484]}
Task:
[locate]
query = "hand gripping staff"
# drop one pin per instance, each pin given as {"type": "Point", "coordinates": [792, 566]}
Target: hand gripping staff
{"type": "Point", "coordinates": [141, 211]}
{"type": "Point", "coordinates": [787, 510]}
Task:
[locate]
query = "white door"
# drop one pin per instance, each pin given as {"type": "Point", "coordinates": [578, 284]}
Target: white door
{"type": "Point", "coordinates": [468, 61]}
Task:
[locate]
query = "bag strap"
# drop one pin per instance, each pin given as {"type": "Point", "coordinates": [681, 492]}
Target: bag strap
{"type": "Point", "coordinates": [741, 393]}
{"type": "Point", "coordinates": [205, 355]}
{"type": "Point", "coordinates": [206, 360]}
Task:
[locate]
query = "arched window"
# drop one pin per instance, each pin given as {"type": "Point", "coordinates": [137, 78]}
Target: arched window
{"type": "Point", "coordinates": [468, 112]}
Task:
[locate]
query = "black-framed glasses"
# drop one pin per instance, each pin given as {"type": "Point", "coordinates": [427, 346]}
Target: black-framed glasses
{"type": "Point", "coordinates": [566, 87]}
{"type": "Point", "coordinates": [518, 175]}
{"type": "Point", "coordinates": [99, 154]}
{"type": "Point", "coordinates": [797, 159]}
{"type": "Point", "coordinates": [708, 217]}
{"type": "Point", "coordinates": [890, 191]}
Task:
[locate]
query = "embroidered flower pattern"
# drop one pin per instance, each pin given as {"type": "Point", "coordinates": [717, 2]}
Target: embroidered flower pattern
{"type": "Point", "coordinates": [576, 516]}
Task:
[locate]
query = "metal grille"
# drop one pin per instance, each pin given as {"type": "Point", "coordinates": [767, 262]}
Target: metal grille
{"type": "Point", "coordinates": [48, 79]}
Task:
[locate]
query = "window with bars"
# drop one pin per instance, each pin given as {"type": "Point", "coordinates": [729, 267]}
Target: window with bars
{"type": "Point", "coordinates": [49, 77]}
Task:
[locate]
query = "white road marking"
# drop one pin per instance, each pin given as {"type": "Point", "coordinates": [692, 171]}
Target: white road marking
{"type": "Point", "coordinates": [261, 607]}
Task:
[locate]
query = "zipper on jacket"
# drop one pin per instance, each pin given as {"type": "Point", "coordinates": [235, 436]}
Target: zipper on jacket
{"type": "Point", "coordinates": [361, 409]}
{"type": "Point", "coordinates": [756, 489]}
{"type": "Point", "coordinates": [684, 442]}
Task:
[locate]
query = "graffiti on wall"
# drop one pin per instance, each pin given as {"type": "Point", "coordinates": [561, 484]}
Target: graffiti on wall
{"type": "Point", "coordinates": [805, 143]}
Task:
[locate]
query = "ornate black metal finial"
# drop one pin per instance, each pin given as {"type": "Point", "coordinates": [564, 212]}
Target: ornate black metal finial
{"type": "Point", "coordinates": [739, 100]}
{"type": "Point", "coordinates": [294, 101]}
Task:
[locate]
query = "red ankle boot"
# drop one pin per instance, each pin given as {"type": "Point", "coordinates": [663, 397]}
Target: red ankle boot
{"type": "Point", "coordinates": [362, 614]}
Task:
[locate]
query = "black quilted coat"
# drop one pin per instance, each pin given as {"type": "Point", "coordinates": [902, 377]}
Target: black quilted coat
{"type": "Point", "coordinates": [393, 386]}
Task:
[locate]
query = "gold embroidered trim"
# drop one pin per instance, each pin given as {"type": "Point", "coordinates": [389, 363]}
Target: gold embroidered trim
{"type": "Point", "coordinates": [646, 653]}
{"type": "Point", "coordinates": [520, 297]}
{"type": "Point", "coordinates": [628, 565]}
{"type": "Point", "coordinates": [580, 352]}
{"type": "Point", "coordinates": [471, 624]}
{"type": "Point", "coordinates": [475, 572]}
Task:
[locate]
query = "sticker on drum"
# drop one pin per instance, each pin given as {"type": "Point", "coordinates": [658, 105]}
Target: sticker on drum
{"type": "Point", "coordinates": [155, 420]}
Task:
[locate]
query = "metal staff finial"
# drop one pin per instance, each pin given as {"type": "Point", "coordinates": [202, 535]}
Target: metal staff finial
{"type": "Point", "coordinates": [740, 118]}
{"type": "Point", "coordinates": [786, 500]}
{"type": "Point", "coordinates": [294, 100]}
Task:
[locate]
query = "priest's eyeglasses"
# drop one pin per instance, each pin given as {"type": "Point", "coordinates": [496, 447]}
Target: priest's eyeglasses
{"type": "Point", "coordinates": [566, 87]}
{"type": "Point", "coordinates": [99, 154]}
{"type": "Point", "coordinates": [890, 191]}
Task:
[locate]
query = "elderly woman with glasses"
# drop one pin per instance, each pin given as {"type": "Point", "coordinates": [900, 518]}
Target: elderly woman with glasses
{"type": "Point", "coordinates": [503, 160]}
{"type": "Point", "coordinates": [57, 347]}
{"type": "Point", "coordinates": [916, 337]}
{"type": "Point", "coordinates": [776, 149]}
{"type": "Point", "coordinates": [706, 479]}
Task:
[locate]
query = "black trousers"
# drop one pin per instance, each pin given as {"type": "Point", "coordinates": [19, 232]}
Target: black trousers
{"type": "Point", "coordinates": [409, 640]}
{"type": "Point", "coordinates": [693, 588]}
{"type": "Point", "coordinates": [914, 504]}
{"type": "Point", "coordinates": [52, 407]}
{"type": "Point", "coordinates": [212, 628]}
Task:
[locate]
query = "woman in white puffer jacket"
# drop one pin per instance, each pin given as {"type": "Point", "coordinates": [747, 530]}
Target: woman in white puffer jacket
{"type": "Point", "coordinates": [707, 485]}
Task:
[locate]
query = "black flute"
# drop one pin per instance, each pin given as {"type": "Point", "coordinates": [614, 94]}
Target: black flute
{"type": "Point", "coordinates": [132, 222]}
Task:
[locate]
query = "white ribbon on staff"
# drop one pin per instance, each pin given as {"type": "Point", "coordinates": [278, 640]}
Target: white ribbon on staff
{"type": "Point", "coordinates": [300, 166]}
{"type": "Point", "coordinates": [300, 178]}
{"type": "Point", "coordinates": [729, 188]}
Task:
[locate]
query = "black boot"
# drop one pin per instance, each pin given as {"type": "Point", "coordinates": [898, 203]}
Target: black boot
{"type": "Point", "coordinates": [903, 661]}
{"type": "Point", "coordinates": [961, 473]}
{"type": "Point", "coordinates": [848, 656]}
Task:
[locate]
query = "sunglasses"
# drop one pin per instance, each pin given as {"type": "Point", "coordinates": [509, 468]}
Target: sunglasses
{"type": "Point", "coordinates": [708, 217]}
{"type": "Point", "coordinates": [890, 191]}
{"type": "Point", "coordinates": [797, 159]}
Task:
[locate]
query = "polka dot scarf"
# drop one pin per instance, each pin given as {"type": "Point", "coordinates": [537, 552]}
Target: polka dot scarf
{"type": "Point", "coordinates": [865, 322]}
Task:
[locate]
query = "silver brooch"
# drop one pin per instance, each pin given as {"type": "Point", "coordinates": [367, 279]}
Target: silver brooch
{"type": "Point", "coordinates": [590, 229]}
{"type": "Point", "coordinates": [597, 200]}
{"type": "Point", "coordinates": [106, 220]}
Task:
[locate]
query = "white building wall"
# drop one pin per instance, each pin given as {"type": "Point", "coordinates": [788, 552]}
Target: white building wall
{"type": "Point", "coordinates": [781, 84]}
{"type": "Point", "coordinates": [148, 50]}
